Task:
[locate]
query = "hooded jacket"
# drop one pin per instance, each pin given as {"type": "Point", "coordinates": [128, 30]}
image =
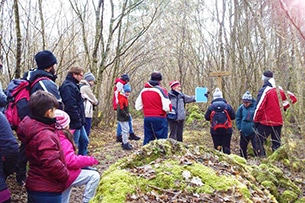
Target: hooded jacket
{"type": "Point", "coordinates": [47, 85]}
{"type": "Point", "coordinates": [47, 167]}
{"type": "Point", "coordinates": [74, 162]}
{"type": "Point", "coordinates": [119, 84]}
{"type": "Point", "coordinates": [89, 98]}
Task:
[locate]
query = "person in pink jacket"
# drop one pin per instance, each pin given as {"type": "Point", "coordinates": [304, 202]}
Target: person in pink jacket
{"type": "Point", "coordinates": [80, 173]}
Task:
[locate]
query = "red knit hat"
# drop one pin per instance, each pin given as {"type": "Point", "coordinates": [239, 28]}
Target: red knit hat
{"type": "Point", "coordinates": [174, 83]}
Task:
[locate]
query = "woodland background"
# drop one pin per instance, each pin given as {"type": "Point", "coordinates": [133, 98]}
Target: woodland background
{"type": "Point", "coordinates": [186, 40]}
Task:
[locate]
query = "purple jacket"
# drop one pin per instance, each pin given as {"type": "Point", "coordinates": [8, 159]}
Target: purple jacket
{"type": "Point", "coordinates": [47, 167]}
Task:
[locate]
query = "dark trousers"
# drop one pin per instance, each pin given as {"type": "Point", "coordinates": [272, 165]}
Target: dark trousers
{"type": "Point", "coordinates": [88, 125]}
{"type": "Point", "coordinates": [244, 141]}
{"type": "Point", "coordinates": [263, 132]}
{"type": "Point", "coordinates": [176, 129]}
{"type": "Point", "coordinates": [155, 128]}
{"type": "Point", "coordinates": [45, 197]}
{"type": "Point", "coordinates": [21, 165]}
{"type": "Point", "coordinates": [222, 142]}
{"type": "Point", "coordinates": [7, 167]}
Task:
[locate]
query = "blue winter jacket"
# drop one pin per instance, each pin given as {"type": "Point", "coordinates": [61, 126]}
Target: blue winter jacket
{"type": "Point", "coordinates": [47, 85]}
{"type": "Point", "coordinates": [244, 118]}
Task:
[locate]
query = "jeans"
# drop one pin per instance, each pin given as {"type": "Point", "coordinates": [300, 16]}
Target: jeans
{"type": "Point", "coordinates": [125, 129]}
{"type": "Point", "coordinates": [90, 178]}
{"type": "Point", "coordinates": [45, 197]}
{"type": "Point", "coordinates": [88, 125]}
{"type": "Point", "coordinates": [155, 128]}
{"type": "Point", "coordinates": [81, 140]}
{"type": "Point", "coordinates": [119, 129]}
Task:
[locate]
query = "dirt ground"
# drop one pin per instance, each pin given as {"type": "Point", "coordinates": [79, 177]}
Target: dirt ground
{"type": "Point", "coordinates": [105, 148]}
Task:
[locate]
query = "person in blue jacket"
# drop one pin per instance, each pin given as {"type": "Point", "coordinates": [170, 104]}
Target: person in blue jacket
{"type": "Point", "coordinates": [245, 124]}
{"type": "Point", "coordinates": [8, 156]}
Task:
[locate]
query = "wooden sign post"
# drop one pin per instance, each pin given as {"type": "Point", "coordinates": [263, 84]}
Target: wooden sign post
{"type": "Point", "coordinates": [219, 75]}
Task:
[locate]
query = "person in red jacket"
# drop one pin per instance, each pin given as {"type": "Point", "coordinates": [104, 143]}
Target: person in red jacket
{"type": "Point", "coordinates": [118, 88]}
{"type": "Point", "coordinates": [154, 102]}
{"type": "Point", "coordinates": [268, 117]}
{"type": "Point", "coordinates": [48, 173]}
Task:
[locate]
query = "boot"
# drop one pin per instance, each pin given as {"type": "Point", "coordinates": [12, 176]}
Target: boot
{"type": "Point", "coordinates": [119, 138]}
{"type": "Point", "coordinates": [127, 146]}
{"type": "Point", "coordinates": [132, 136]}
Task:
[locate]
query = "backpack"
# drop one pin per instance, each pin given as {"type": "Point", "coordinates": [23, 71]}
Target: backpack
{"type": "Point", "coordinates": [219, 117]}
{"type": "Point", "coordinates": [18, 96]}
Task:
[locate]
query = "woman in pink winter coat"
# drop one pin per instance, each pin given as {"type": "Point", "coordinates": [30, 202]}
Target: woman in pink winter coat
{"type": "Point", "coordinates": [76, 164]}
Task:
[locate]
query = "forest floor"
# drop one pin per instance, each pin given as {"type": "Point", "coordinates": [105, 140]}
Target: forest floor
{"type": "Point", "coordinates": [104, 147]}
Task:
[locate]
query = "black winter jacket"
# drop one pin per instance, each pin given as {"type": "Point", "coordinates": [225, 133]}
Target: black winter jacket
{"type": "Point", "coordinates": [73, 101]}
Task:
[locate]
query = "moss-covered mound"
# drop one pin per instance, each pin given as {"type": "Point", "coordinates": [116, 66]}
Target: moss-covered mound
{"type": "Point", "coordinates": [169, 171]}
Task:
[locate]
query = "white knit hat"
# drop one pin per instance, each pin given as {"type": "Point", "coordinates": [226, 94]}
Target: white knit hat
{"type": "Point", "coordinates": [247, 97]}
{"type": "Point", "coordinates": [217, 93]}
{"type": "Point", "coordinates": [62, 119]}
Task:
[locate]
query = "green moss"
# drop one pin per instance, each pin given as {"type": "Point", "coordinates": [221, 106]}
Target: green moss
{"type": "Point", "coordinates": [271, 187]}
{"type": "Point", "coordinates": [168, 175]}
{"type": "Point", "coordinates": [288, 196]}
{"type": "Point", "coordinates": [114, 187]}
{"type": "Point", "coordinates": [301, 200]}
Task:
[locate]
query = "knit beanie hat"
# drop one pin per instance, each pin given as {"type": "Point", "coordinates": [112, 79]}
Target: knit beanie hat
{"type": "Point", "coordinates": [125, 77]}
{"type": "Point", "coordinates": [45, 59]}
{"type": "Point", "coordinates": [89, 77]}
{"type": "Point", "coordinates": [217, 93]}
{"type": "Point", "coordinates": [127, 88]}
{"type": "Point", "coordinates": [156, 76]}
{"type": "Point", "coordinates": [62, 119]}
{"type": "Point", "coordinates": [247, 97]}
{"type": "Point", "coordinates": [174, 83]}
{"type": "Point", "coordinates": [267, 75]}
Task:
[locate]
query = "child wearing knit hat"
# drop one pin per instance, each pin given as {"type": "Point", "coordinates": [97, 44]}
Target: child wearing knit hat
{"type": "Point", "coordinates": [245, 124]}
{"type": "Point", "coordinates": [123, 115]}
{"type": "Point", "coordinates": [78, 165]}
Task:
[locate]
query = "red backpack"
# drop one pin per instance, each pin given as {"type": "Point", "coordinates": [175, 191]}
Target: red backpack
{"type": "Point", "coordinates": [220, 118]}
{"type": "Point", "coordinates": [18, 96]}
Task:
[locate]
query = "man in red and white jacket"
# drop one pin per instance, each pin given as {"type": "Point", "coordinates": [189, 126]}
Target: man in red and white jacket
{"type": "Point", "coordinates": [154, 102]}
{"type": "Point", "coordinates": [268, 116]}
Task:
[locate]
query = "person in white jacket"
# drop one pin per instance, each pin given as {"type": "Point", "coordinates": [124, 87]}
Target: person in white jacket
{"type": "Point", "coordinates": [90, 99]}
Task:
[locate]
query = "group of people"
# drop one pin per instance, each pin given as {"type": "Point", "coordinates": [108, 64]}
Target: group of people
{"type": "Point", "coordinates": [256, 119]}
{"type": "Point", "coordinates": [53, 136]}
